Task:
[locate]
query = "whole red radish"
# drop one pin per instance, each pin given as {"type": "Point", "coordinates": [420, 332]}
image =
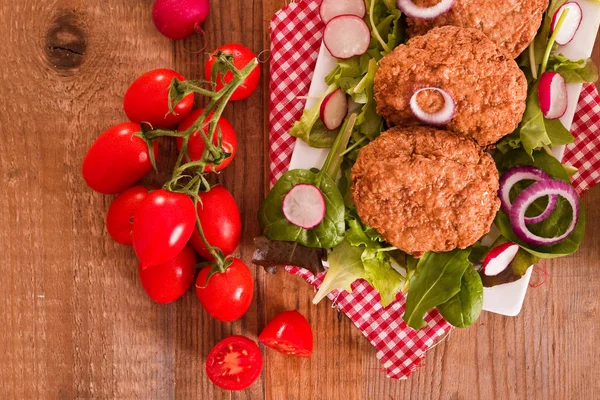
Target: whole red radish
{"type": "Point", "coordinates": [241, 57]}
{"type": "Point", "coordinates": [196, 143]}
{"type": "Point", "coordinates": [178, 19]}
{"type": "Point", "coordinates": [162, 225]}
{"type": "Point", "coordinates": [167, 282]}
{"type": "Point", "coordinates": [227, 295]}
{"type": "Point", "coordinates": [117, 159]}
{"type": "Point", "coordinates": [288, 333]}
{"type": "Point", "coordinates": [221, 222]}
{"type": "Point", "coordinates": [119, 219]}
{"type": "Point", "coordinates": [147, 99]}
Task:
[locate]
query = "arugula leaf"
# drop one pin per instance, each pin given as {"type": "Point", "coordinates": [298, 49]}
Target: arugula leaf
{"type": "Point", "coordinates": [578, 71]}
{"type": "Point", "coordinates": [273, 254]}
{"type": "Point", "coordinates": [558, 220]}
{"type": "Point", "coordinates": [463, 309]}
{"type": "Point", "coordinates": [437, 279]}
{"type": "Point", "coordinates": [536, 131]}
{"type": "Point", "coordinates": [345, 266]}
{"type": "Point", "coordinates": [311, 129]}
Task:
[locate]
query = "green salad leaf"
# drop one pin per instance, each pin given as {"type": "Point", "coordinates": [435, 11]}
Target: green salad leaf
{"type": "Point", "coordinates": [557, 222]}
{"type": "Point", "coordinates": [437, 279]}
{"type": "Point", "coordinates": [463, 309]}
{"type": "Point", "coordinates": [578, 71]}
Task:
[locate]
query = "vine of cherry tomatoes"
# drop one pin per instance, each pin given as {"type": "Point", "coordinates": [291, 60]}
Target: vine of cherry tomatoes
{"type": "Point", "coordinates": [169, 227]}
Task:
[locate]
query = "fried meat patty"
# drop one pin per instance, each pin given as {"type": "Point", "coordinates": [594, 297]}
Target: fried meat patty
{"type": "Point", "coordinates": [425, 189]}
{"type": "Point", "coordinates": [487, 86]}
{"type": "Point", "coordinates": [511, 24]}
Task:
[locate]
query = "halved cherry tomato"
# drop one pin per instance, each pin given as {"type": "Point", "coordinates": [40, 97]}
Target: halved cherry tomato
{"type": "Point", "coordinates": [162, 225]}
{"type": "Point", "coordinates": [117, 159]}
{"type": "Point", "coordinates": [234, 363]}
{"type": "Point", "coordinates": [221, 222]}
{"type": "Point", "coordinates": [241, 57]}
{"type": "Point", "coordinates": [227, 295]}
{"type": "Point", "coordinates": [167, 282]}
{"type": "Point", "coordinates": [119, 219]}
{"type": "Point", "coordinates": [196, 142]}
{"type": "Point", "coordinates": [147, 99]}
{"type": "Point", "coordinates": [288, 333]}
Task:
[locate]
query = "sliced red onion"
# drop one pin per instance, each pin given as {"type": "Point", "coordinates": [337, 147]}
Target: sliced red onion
{"type": "Point", "coordinates": [414, 11]}
{"type": "Point", "coordinates": [439, 118]}
{"type": "Point", "coordinates": [531, 194]}
{"type": "Point", "coordinates": [521, 173]}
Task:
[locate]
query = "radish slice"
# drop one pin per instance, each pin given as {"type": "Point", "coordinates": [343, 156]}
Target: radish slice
{"type": "Point", "coordinates": [439, 118]}
{"type": "Point", "coordinates": [334, 109]}
{"type": "Point", "coordinates": [304, 206]}
{"type": "Point", "coordinates": [552, 92]}
{"type": "Point", "coordinates": [571, 23]}
{"type": "Point", "coordinates": [333, 8]}
{"type": "Point", "coordinates": [531, 194]}
{"type": "Point", "coordinates": [521, 173]}
{"type": "Point", "coordinates": [346, 36]}
{"type": "Point", "coordinates": [414, 11]}
{"type": "Point", "coordinates": [499, 258]}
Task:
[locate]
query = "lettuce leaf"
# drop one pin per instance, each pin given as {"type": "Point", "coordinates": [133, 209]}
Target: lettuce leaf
{"type": "Point", "coordinates": [464, 308]}
{"type": "Point", "coordinates": [574, 71]}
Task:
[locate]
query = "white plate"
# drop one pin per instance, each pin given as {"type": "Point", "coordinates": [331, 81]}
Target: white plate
{"type": "Point", "coordinates": [504, 299]}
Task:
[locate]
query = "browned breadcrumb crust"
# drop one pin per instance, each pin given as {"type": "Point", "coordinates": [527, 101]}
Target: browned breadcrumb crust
{"type": "Point", "coordinates": [511, 24]}
{"type": "Point", "coordinates": [425, 189]}
{"type": "Point", "coordinates": [487, 86]}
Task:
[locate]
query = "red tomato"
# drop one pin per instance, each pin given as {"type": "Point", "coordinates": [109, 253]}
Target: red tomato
{"type": "Point", "coordinates": [221, 222]}
{"type": "Point", "coordinates": [228, 295]}
{"type": "Point", "coordinates": [119, 219]}
{"type": "Point", "coordinates": [147, 99]}
{"type": "Point", "coordinates": [234, 363]}
{"type": "Point", "coordinates": [162, 225]}
{"type": "Point", "coordinates": [196, 143]}
{"type": "Point", "coordinates": [288, 333]}
{"type": "Point", "coordinates": [117, 159]}
{"type": "Point", "coordinates": [241, 57]}
{"type": "Point", "coordinates": [167, 282]}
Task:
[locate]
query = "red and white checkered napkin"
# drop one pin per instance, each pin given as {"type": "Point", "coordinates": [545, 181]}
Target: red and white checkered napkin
{"type": "Point", "coordinates": [296, 33]}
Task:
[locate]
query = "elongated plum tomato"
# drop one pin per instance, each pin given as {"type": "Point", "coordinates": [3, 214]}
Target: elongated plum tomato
{"type": "Point", "coordinates": [241, 57]}
{"type": "Point", "coordinates": [147, 99]}
{"type": "Point", "coordinates": [167, 282]}
{"type": "Point", "coordinates": [221, 222]}
{"type": "Point", "coordinates": [117, 159]}
{"type": "Point", "coordinates": [196, 144]}
{"type": "Point", "coordinates": [119, 219]}
{"type": "Point", "coordinates": [288, 333]}
{"type": "Point", "coordinates": [162, 225]}
{"type": "Point", "coordinates": [234, 363]}
{"type": "Point", "coordinates": [227, 295]}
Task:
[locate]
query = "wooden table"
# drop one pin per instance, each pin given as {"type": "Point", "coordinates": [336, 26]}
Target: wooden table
{"type": "Point", "coordinates": [74, 320]}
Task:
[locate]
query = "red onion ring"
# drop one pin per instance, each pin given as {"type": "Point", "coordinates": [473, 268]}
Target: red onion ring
{"type": "Point", "coordinates": [439, 118]}
{"type": "Point", "coordinates": [520, 173]}
{"type": "Point", "coordinates": [414, 11]}
{"type": "Point", "coordinates": [531, 194]}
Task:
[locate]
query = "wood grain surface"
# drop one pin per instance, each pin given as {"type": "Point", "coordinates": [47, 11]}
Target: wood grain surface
{"type": "Point", "coordinates": [74, 320]}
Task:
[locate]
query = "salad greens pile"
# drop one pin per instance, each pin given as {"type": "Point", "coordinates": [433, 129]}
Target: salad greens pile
{"type": "Point", "coordinates": [452, 281]}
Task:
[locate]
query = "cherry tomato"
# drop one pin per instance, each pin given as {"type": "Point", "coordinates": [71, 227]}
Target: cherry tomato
{"type": "Point", "coordinates": [288, 333]}
{"type": "Point", "coordinates": [196, 142]}
{"type": "Point", "coordinates": [221, 222]}
{"type": "Point", "coordinates": [228, 295]}
{"type": "Point", "coordinates": [119, 219]}
{"type": "Point", "coordinates": [162, 225]}
{"type": "Point", "coordinates": [167, 282]}
{"type": "Point", "coordinates": [117, 159]}
{"type": "Point", "coordinates": [147, 99]}
{"type": "Point", "coordinates": [241, 57]}
{"type": "Point", "coordinates": [234, 363]}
